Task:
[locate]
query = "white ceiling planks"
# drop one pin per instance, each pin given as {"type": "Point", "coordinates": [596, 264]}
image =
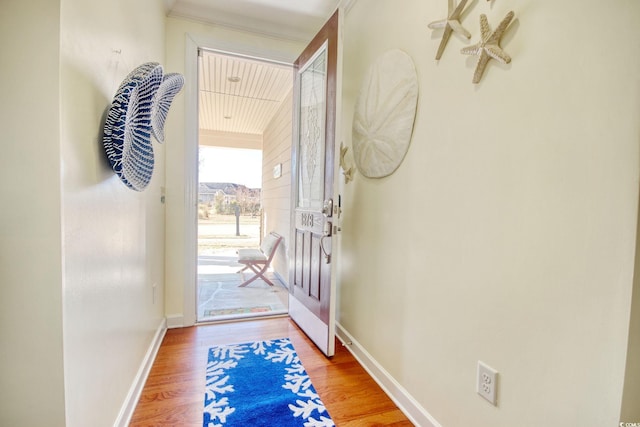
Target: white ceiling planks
{"type": "Point", "coordinates": [240, 95]}
{"type": "Point", "coordinates": [249, 104]}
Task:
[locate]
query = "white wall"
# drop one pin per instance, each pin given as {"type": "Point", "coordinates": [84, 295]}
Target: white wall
{"type": "Point", "coordinates": [31, 354]}
{"type": "Point", "coordinates": [113, 237]}
{"type": "Point", "coordinates": [508, 233]}
{"type": "Point", "coordinates": [182, 155]}
{"type": "Point", "coordinates": [276, 192]}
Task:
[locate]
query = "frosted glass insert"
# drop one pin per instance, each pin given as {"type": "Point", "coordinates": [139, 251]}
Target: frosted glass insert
{"type": "Point", "coordinates": [313, 80]}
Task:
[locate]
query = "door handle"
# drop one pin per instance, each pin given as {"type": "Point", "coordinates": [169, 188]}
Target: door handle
{"type": "Point", "coordinates": [326, 232]}
{"type": "Point", "coordinates": [326, 229]}
{"type": "Point", "coordinates": [327, 208]}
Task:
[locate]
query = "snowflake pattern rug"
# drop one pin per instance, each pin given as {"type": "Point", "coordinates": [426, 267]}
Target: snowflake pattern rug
{"type": "Point", "coordinates": [260, 383]}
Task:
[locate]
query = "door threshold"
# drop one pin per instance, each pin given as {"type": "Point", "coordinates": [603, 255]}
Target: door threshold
{"type": "Point", "coordinates": [235, 319]}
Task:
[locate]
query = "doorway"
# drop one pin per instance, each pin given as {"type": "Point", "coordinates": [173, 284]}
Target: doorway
{"type": "Point", "coordinates": [244, 151]}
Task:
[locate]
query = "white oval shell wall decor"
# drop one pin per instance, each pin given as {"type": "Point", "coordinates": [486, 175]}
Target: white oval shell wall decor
{"type": "Point", "coordinates": [138, 110]}
{"type": "Point", "coordinates": [384, 114]}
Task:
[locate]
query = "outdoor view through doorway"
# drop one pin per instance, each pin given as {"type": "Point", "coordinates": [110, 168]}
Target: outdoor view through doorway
{"type": "Point", "coordinates": [229, 218]}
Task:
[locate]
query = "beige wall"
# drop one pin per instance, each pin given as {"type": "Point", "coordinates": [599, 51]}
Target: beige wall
{"type": "Point", "coordinates": [631, 396]}
{"type": "Point", "coordinates": [31, 354]}
{"type": "Point", "coordinates": [276, 192]}
{"type": "Point", "coordinates": [182, 155]}
{"type": "Point", "coordinates": [508, 233]}
{"type": "Point", "coordinates": [113, 237]}
{"type": "Point", "coordinates": [79, 251]}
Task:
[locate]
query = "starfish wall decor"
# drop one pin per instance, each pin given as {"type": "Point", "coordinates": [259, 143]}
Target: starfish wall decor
{"type": "Point", "coordinates": [450, 24]}
{"type": "Point", "coordinates": [347, 170]}
{"type": "Point", "coordinates": [489, 45]}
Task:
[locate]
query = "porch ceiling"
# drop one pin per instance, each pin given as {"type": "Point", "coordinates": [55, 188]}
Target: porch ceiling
{"type": "Point", "coordinates": [240, 95]}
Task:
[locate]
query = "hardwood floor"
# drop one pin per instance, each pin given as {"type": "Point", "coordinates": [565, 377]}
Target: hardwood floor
{"type": "Point", "coordinates": [174, 392]}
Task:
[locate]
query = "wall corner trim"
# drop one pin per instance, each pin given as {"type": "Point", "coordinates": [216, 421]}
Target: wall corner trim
{"type": "Point", "coordinates": [175, 321]}
{"type": "Point", "coordinates": [400, 396]}
{"type": "Point", "coordinates": [348, 4]}
{"type": "Point", "coordinates": [129, 405]}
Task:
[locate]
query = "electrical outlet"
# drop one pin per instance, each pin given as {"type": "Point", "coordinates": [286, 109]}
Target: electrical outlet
{"type": "Point", "coordinates": [153, 297]}
{"type": "Point", "coordinates": [487, 383]}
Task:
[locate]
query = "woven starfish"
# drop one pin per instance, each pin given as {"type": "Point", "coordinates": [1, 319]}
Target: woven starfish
{"type": "Point", "coordinates": [489, 46]}
{"type": "Point", "coordinates": [451, 24]}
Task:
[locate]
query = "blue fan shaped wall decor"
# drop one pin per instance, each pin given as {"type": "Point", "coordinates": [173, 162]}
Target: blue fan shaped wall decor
{"type": "Point", "coordinates": [128, 127]}
{"type": "Point", "coordinates": [171, 84]}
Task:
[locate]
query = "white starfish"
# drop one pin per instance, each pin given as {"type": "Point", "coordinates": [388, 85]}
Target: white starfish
{"type": "Point", "coordinates": [452, 23]}
{"type": "Point", "coordinates": [489, 45]}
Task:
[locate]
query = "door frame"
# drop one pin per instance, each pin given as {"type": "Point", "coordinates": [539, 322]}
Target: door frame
{"type": "Point", "coordinates": [193, 43]}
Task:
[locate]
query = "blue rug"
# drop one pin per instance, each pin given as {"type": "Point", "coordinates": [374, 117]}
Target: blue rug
{"type": "Point", "coordinates": [260, 383]}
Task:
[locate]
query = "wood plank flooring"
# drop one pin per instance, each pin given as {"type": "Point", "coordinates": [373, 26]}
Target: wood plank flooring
{"type": "Point", "coordinates": [174, 392]}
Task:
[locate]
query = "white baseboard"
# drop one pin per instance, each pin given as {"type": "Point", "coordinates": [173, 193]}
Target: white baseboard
{"type": "Point", "coordinates": [129, 405]}
{"type": "Point", "coordinates": [175, 321]}
{"type": "Point", "coordinates": [400, 396]}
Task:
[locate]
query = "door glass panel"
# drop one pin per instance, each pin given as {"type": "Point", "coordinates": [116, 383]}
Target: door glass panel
{"type": "Point", "coordinates": [313, 80]}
